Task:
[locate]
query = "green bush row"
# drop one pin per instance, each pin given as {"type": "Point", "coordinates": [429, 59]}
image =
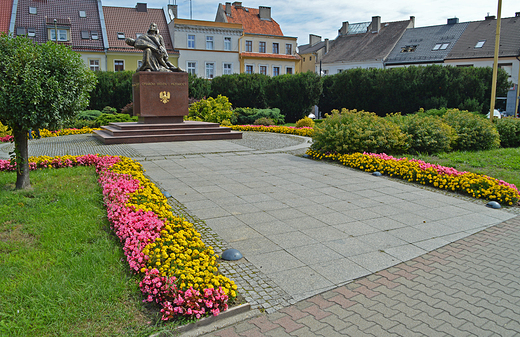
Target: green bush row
{"type": "Point", "coordinates": [352, 131]}
{"type": "Point", "coordinates": [408, 89]}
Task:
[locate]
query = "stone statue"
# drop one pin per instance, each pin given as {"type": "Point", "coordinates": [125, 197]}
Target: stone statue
{"type": "Point", "coordinates": [155, 57]}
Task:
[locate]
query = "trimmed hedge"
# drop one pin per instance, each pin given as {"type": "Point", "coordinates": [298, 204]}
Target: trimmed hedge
{"type": "Point", "coordinates": [242, 90]}
{"type": "Point", "coordinates": [408, 89]}
{"type": "Point", "coordinates": [113, 89]}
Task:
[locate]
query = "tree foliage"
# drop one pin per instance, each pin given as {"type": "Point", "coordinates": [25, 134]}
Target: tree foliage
{"type": "Point", "coordinates": [113, 89]}
{"type": "Point", "coordinates": [40, 87]}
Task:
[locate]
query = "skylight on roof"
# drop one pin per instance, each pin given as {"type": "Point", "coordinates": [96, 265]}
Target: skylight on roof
{"type": "Point", "coordinates": [437, 46]}
{"type": "Point", "coordinates": [358, 28]}
{"type": "Point", "coordinates": [444, 46]}
{"type": "Point", "coordinates": [408, 49]}
{"type": "Point", "coordinates": [82, 14]}
{"type": "Point", "coordinates": [33, 10]}
{"type": "Point", "coordinates": [440, 46]}
{"type": "Point", "coordinates": [121, 36]}
{"type": "Point", "coordinates": [480, 44]}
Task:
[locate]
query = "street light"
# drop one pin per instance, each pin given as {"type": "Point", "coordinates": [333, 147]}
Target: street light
{"type": "Point", "coordinates": [495, 63]}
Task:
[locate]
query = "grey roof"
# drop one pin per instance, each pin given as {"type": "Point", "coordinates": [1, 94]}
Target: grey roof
{"type": "Point", "coordinates": [307, 48]}
{"type": "Point", "coordinates": [366, 46]}
{"type": "Point", "coordinates": [486, 30]}
{"type": "Point", "coordinates": [426, 39]}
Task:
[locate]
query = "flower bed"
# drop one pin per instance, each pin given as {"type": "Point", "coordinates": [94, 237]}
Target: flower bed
{"type": "Point", "coordinates": [44, 133]}
{"type": "Point", "coordinates": [412, 170]}
{"type": "Point", "coordinates": [179, 272]}
{"type": "Point", "coordinates": [291, 130]}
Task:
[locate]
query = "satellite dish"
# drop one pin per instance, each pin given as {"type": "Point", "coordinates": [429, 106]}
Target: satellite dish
{"type": "Point", "coordinates": [171, 14]}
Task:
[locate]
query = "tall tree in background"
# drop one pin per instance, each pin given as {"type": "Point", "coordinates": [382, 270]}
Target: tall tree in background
{"type": "Point", "coordinates": [40, 87]}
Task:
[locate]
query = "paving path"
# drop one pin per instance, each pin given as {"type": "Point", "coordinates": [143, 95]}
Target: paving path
{"type": "Point", "coordinates": [331, 250]}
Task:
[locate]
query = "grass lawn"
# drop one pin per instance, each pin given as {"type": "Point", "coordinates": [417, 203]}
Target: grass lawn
{"type": "Point", "coordinates": [62, 271]}
{"type": "Point", "coordinates": [502, 163]}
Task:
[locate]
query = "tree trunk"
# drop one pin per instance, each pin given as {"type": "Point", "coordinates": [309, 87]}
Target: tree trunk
{"type": "Point", "coordinates": [21, 148]}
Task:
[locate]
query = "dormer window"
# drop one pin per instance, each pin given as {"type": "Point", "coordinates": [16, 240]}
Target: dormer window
{"type": "Point", "coordinates": [408, 49]}
{"type": "Point", "coordinates": [480, 44]}
{"type": "Point", "coordinates": [121, 36]}
{"type": "Point", "coordinates": [94, 35]}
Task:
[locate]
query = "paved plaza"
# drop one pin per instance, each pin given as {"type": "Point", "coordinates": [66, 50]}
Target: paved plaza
{"type": "Point", "coordinates": [330, 250]}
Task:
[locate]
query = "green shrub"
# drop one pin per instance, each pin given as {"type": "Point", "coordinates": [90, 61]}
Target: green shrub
{"type": "Point", "coordinates": [242, 90]}
{"type": "Point", "coordinates": [80, 124]}
{"type": "Point", "coordinates": [264, 121]}
{"type": "Point", "coordinates": [106, 119]}
{"type": "Point", "coordinates": [432, 112]}
{"type": "Point", "coordinates": [353, 131]}
{"type": "Point", "coordinates": [249, 115]}
{"type": "Point", "coordinates": [198, 87]}
{"type": "Point", "coordinates": [4, 131]}
{"type": "Point", "coordinates": [213, 110]}
{"type": "Point", "coordinates": [112, 89]}
{"type": "Point", "coordinates": [509, 130]}
{"type": "Point", "coordinates": [294, 95]}
{"type": "Point", "coordinates": [88, 115]}
{"type": "Point", "coordinates": [128, 109]}
{"type": "Point", "coordinates": [109, 110]}
{"type": "Point", "coordinates": [306, 121]}
{"type": "Point", "coordinates": [474, 132]}
{"type": "Point", "coordinates": [428, 134]}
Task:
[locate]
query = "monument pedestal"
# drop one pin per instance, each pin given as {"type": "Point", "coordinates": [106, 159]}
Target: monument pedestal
{"type": "Point", "coordinates": [161, 102]}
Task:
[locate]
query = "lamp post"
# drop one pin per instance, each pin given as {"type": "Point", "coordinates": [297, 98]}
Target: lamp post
{"type": "Point", "coordinates": [56, 30]}
{"type": "Point", "coordinates": [495, 63]}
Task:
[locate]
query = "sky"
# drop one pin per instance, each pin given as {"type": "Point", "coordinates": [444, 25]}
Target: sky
{"type": "Point", "coordinates": [324, 17]}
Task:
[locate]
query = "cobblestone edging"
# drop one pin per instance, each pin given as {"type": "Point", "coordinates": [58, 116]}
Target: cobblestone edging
{"type": "Point", "coordinates": [256, 287]}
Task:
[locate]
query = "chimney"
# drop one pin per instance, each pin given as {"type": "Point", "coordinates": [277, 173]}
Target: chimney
{"type": "Point", "coordinates": [489, 17]}
{"type": "Point", "coordinates": [376, 24]}
{"type": "Point", "coordinates": [517, 14]}
{"type": "Point", "coordinates": [141, 7]}
{"type": "Point", "coordinates": [237, 4]}
{"type": "Point", "coordinates": [313, 39]}
{"type": "Point", "coordinates": [453, 21]}
{"type": "Point", "coordinates": [412, 22]}
{"type": "Point", "coordinates": [327, 45]}
{"type": "Point", "coordinates": [228, 8]}
{"type": "Point", "coordinates": [264, 13]}
{"type": "Point", "coordinates": [172, 11]}
{"type": "Point", "coordinates": [344, 29]}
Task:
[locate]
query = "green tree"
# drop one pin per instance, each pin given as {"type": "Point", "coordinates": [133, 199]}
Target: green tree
{"type": "Point", "coordinates": [40, 87]}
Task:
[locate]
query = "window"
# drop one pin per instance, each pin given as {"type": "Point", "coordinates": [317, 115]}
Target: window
{"type": "Point", "coordinates": [119, 65]}
{"type": "Point", "coordinates": [249, 46]}
{"type": "Point", "coordinates": [82, 14]}
{"type": "Point", "coordinates": [508, 68]}
{"type": "Point", "coordinates": [288, 70]}
{"type": "Point", "coordinates": [94, 65]}
{"type": "Point", "coordinates": [192, 68]}
{"type": "Point", "coordinates": [227, 43]}
{"type": "Point", "coordinates": [210, 70]}
{"type": "Point", "coordinates": [33, 10]}
{"type": "Point", "coordinates": [85, 34]}
{"type": "Point", "coordinates": [288, 49]}
{"type": "Point", "coordinates": [310, 58]}
{"type": "Point", "coordinates": [276, 48]}
{"type": "Point", "coordinates": [31, 32]}
{"type": "Point", "coordinates": [261, 47]}
{"type": "Point", "coordinates": [94, 35]}
{"type": "Point", "coordinates": [121, 36]}
{"type": "Point", "coordinates": [441, 46]}
{"type": "Point", "coordinates": [276, 71]}
{"type": "Point", "coordinates": [20, 31]}
{"type": "Point", "coordinates": [408, 49]}
{"type": "Point", "coordinates": [304, 59]}
{"type": "Point", "coordinates": [228, 68]}
{"type": "Point", "coordinates": [263, 70]}
{"type": "Point", "coordinates": [191, 41]}
{"type": "Point", "coordinates": [62, 34]}
{"type": "Point", "coordinates": [249, 69]}
{"type": "Point", "coordinates": [209, 42]}
{"type": "Point", "coordinates": [480, 44]}
{"type": "Point", "coordinates": [340, 71]}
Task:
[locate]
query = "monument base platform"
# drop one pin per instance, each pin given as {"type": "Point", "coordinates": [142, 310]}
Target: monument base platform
{"type": "Point", "coordinates": [135, 132]}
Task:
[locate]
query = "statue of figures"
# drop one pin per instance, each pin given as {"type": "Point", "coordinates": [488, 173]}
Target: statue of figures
{"type": "Point", "coordinates": [155, 57]}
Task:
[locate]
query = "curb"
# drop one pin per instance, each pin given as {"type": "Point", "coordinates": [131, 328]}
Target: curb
{"type": "Point", "coordinates": [212, 323]}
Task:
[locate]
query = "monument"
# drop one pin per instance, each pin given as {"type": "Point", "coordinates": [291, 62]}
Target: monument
{"type": "Point", "coordinates": [160, 93]}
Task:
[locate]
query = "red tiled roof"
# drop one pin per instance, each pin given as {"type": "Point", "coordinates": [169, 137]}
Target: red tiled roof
{"type": "Point", "coordinates": [131, 22]}
{"type": "Point", "coordinates": [6, 6]}
{"type": "Point", "coordinates": [250, 20]}
{"type": "Point", "coordinates": [67, 14]}
{"type": "Point", "coordinates": [264, 55]}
